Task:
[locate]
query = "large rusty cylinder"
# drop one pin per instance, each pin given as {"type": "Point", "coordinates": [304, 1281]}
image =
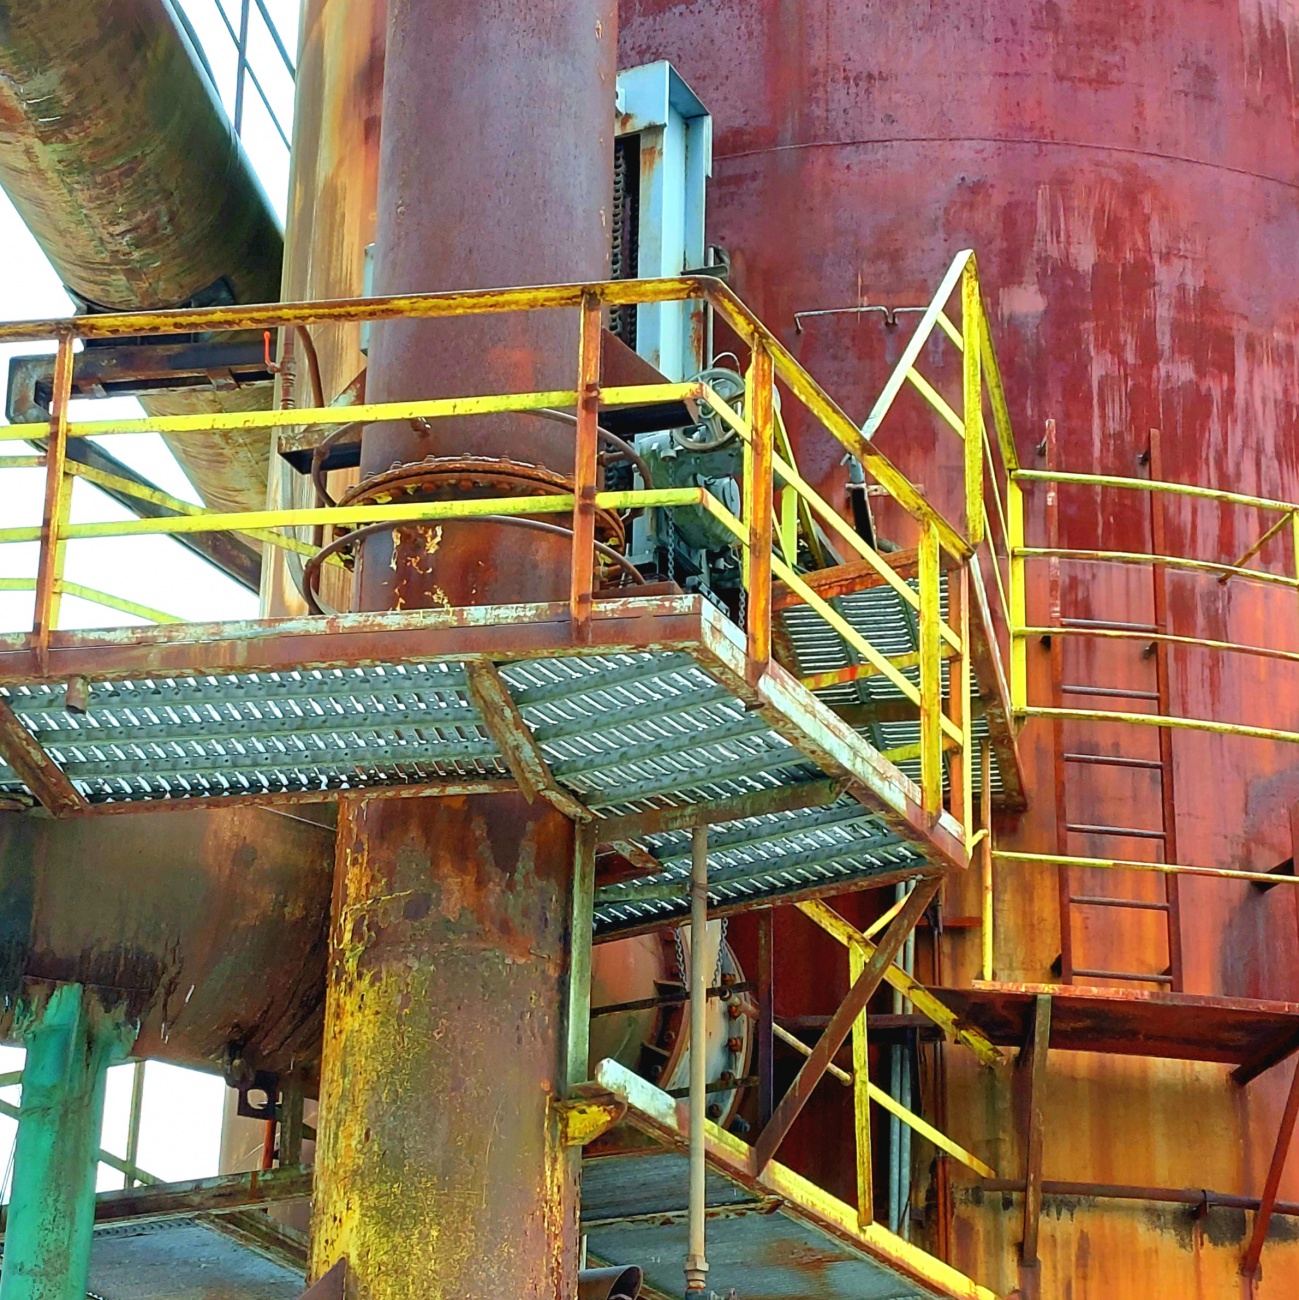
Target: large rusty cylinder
{"type": "Point", "coordinates": [119, 157]}
{"type": "Point", "coordinates": [439, 1172]}
{"type": "Point", "coordinates": [209, 928]}
{"type": "Point", "coordinates": [496, 168]}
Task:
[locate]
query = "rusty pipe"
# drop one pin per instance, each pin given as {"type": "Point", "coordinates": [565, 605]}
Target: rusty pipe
{"type": "Point", "coordinates": [118, 156]}
{"type": "Point", "coordinates": [696, 1256]}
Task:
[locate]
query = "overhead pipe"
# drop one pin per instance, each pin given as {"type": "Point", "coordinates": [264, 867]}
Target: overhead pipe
{"type": "Point", "coordinates": [118, 155]}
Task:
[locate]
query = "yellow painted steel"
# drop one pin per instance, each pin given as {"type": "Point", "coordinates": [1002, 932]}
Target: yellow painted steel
{"type": "Point", "coordinates": [1260, 544]}
{"type": "Point", "coordinates": [961, 688]}
{"type": "Point", "coordinates": [1164, 720]}
{"type": "Point", "coordinates": [110, 601]}
{"type": "Point", "coordinates": [845, 531]}
{"type": "Point", "coordinates": [861, 1102]}
{"type": "Point", "coordinates": [845, 630]}
{"type": "Point", "coordinates": [203, 320]}
{"type": "Point", "coordinates": [1158, 868]}
{"type": "Point", "coordinates": [927, 1130]}
{"type": "Point", "coordinates": [1165, 561]}
{"type": "Point", "coordinates": [984, 844]}
{"type": "Point", "coordinates": [96, 597]}
{"type": "Point", "coordinates": [936, 400]}
{"type": "Point", "coordinates": [1018, 600]}
{"type": "Point", "coordinates": [972, 391]}
{"type": "Point", "coordinates": [814, 398]}
{"type": "Point", "coordinates": [143, 493]}
{"type": "Point", "coordinates": [353, 516]}
{"type": "Point", "coordinates": [920, 997]}
{"type": "Point", "coordinates": [864, 1092]}
{"type": "Point", "coordinates": [945, 324]}
{"type": "Point", "coordinates": [931, 701]}
{"type": "Point", "coordinates": [1151, 485]}
{"type": "Point", "coordinates": [1167, 638]}
{"type": "Point", "coordinates": [916, 343]}
{"type": "Point", "coordinates": [365, 413]}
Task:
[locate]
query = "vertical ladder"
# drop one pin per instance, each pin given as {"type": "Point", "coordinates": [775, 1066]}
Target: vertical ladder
{"type": "Point", "coordinates": [1066, 694]}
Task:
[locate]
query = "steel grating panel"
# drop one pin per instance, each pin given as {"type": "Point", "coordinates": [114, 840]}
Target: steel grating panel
{"type": "Point", "coordinates": [884, 619]}
{"type": "Point", "coordinates": [261, 733]}
{"type": "Point", "coordinates": [638, 726]}
{"type": "Point", "coordinates": [758, 859]}
{"type": "Point", "coordinates": [181, 1259]}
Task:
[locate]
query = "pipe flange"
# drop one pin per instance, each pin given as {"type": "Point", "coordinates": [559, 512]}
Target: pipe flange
{"type": "Point", "coordinates": [457, 477]}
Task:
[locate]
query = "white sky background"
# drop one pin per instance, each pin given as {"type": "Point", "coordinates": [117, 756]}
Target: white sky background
{"type": "Point", "coordinates": [181, 1129]}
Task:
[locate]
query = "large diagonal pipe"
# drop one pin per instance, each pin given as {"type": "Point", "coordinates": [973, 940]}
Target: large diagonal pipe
{"type": "Point", "coordinates": [119, 157]}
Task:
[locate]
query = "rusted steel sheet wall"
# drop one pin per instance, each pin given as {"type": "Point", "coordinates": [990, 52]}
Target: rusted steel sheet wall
{"type": "Point", "coordinates": [209, 927]}
{"type": "Point", "coordinates": [1126, 174]}
{"type": "Point", "coordinates": [117, 154]}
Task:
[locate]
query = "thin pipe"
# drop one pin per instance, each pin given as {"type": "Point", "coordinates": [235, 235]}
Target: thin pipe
{"type": "Point", "coordinates": [1141, 632]}
{"type": "Point", "coordinates": [1123, 1192]}
{"type": "Point", "coordinates": [696, 1256]}
{"type": "Point", "coordinates": [1131, 864]}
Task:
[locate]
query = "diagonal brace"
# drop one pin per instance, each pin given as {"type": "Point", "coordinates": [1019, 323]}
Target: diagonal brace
{"type": "Point", "coordinates": [37, 770]}
{"type": "Point", "coordinates": [841, 1023]}
{"type": "Point", "coordinates": [920, 997]}
{"type": "Point", "coordinates": [507, 727]}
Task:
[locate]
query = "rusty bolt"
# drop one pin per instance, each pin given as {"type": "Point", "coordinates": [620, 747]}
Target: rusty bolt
{"type": "Point", "coordinates": [714, 1110]}
{"type": "Point", "coordinates": [735, 1045]}
{"type": "Point", "coordinates": [734, 1011]}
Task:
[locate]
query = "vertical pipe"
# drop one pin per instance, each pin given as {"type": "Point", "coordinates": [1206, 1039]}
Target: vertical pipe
{"type": "Point", "coordinates": [985, 860]}
{"type": "Point", "coordinates": [133, 1121]}
{"type": "Point", "coordinates": [241, 71]}
{"type": "Point", "coordinates": [696, 1259]}
{"type": "Point", "coordinates": [70, 1044]}
{"type": "Point", "coordinates": [439, 1171]}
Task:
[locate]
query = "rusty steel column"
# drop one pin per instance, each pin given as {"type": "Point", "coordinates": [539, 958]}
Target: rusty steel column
{"type": "Point", "coordinates": [438, 1170]}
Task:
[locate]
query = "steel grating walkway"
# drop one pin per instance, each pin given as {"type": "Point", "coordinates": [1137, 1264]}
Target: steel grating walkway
{"type": "Point", "coordinates": [885, 620]}
{"type": "Point", "coordinates": [654, 713]}
{"type": "Point", "coordinates": [774, 1236]}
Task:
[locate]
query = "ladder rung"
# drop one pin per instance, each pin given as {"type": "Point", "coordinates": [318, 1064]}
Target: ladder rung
{"type": "Point", "coordinates": [1108, 623]}
{"type": "Point", "coordinates": [1113, 693]}
{"type": "Point", "coordinates": [1123, 975]}
{"type": "Point", "coordinates": [1100, 900]}
{"type": "Point", "coordinates": [1113, 760]}
{"type": "Point", "coordinates": [1127, 832]}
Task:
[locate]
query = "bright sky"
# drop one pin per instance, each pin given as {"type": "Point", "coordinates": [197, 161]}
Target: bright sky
{"type": "Point", "coordinates": [181, 1128]}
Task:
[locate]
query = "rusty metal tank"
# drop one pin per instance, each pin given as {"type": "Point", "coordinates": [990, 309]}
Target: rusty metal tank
{"type": "Point", "coordinates": [1127, 176]}
{"type": "Point", "coordinates": [117, 154]}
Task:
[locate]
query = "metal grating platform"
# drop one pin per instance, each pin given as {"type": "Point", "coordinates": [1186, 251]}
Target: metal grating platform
{"type": "Point", "coordinates": [884, 619]}
{"type": "Point", "coordinates": [659, 717]}
{"type": "Point", "coordinates": [777, 1237]}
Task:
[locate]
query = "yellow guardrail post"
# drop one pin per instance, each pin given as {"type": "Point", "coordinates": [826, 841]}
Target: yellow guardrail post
{"type": "Point", "coordinates": [931, 694]}
{"type": "Point", "coordinates": [1018, 612]}
{"type": "Point", "coordinates": [972, 357]}
{"type": "Point", "coordinates": [758, 487]}
{"type": "Point", "coordinates": [985, 861]}
{"type": "Point", "coordinates": [960, 704]}
{"type": "Point", "coordinates": [861, 1097]}
{"type": "Point", "coordinates": [49, 568]}
{"type": "Point", "coordinates": [585, 467]}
